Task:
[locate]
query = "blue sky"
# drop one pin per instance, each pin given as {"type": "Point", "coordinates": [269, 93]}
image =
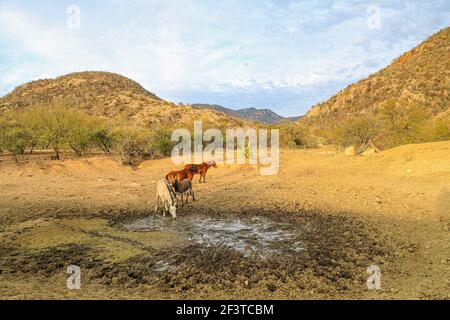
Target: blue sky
{"type": "Point", "coordinates": [278, 54]}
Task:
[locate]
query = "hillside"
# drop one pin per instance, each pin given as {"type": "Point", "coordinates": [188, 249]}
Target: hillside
{"type": "Point", "coordinates": [265, 116]}
{"type": "Point", "coordinates": [422, 74]}
{"type": "Point", "coordinates": [110, 96]}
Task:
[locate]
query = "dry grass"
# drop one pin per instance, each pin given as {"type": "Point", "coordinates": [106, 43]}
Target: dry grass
{"type": "Point", "coordinates": [397, 200]}
{"type": "Point", "coordinates": [111, 96]}
{"type": "Point", "coordinates": [420, 75]}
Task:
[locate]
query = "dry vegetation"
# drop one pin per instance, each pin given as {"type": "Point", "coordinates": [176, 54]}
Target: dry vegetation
{"type": "Point", "coordinates": [109, 96]}
{"type": "Point", "coordinates": [97, 111]}
{"type": "Point", "coordinates": [417, 84]}
{"type": "Point", "coordinates": [390, 209]}
{"type": "Point", "coordinates": [61, 129]}
{"type": "Point", "coordinates": [407, 102]}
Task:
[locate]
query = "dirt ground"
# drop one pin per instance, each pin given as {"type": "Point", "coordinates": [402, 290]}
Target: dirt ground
{"type": "Point", "coordinates": [391, 209]}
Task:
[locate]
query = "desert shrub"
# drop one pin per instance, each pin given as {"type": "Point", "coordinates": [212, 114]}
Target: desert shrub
{"type": "Point", "coordinates": [80, 133]}
{"type": "Point", "coordinates": [357, 130]}
{"type": "Point", "coordinates": [441, 130]}
{"type": "Point", "coordinates": [56, 127]}
{"type": "Point", "coordinates": [13, 138]}
{"type": "Point", "coordinates": [247, 150]}
{"type": "Point", "coordinates": [51, 126]}
{"type": "Point", "coordinates": [59, 128]}
{"type": "Point", "coordinates": [243, 150]}
{"type": "Point", "coordinates": [33, 136]}
{"type": "Point", "coordinates": [161, 142]}
{"type": "Point", "coordinates": [295, 135]}
{"type": "Point", "coordinates": [3, 127]}
{"type": "Point", "coordinates": [102, 137]}
{"type": "Point", "coordinates": [131, 144]}
{"type": "Point", "coordinates": [403, 121]}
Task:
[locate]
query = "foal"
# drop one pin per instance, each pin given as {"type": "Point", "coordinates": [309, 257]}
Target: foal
{"type": "Point", "coordinates": [183, 188]}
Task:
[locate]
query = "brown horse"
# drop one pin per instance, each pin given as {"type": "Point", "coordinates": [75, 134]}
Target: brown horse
{"type": "Point", "coordinates": [179, 175]}
{"type": "Point", "coordinates": [175, 177]}
{"type": "Point", "coordinates": [200, 169]}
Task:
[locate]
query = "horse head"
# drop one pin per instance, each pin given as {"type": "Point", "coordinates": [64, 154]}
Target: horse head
{"type": "Point", "coordinates": [212, 164]}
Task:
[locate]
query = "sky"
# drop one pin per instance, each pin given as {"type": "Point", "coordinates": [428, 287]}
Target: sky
{"type": "Point", "coordinates": [279, 54]}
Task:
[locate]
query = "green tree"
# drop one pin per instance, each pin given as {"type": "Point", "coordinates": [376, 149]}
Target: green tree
{"type": "Point", "coordinates": [161, 142]}
{"type": "Point", "coordinates": [33, 135]}
{"type": "Point", "coordinates": [403, 121]}
{"type": "Point", "coordinates": [80, 134]}
{"type": "Point", "coordinates": [13, 138]}
{"type": "Point", "coordinates": [296, 135]}
{"type": "Point", "coordinates": [358, 130]}
{"type": "Point", "coordinates": [50, 125]}
{"type": "Point", "coordinates": [131, 143]}
{"type": "Point", "coordinates": [103, 138]}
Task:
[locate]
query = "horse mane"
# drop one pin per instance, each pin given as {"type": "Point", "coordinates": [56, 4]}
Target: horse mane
{"type": "Point", "coordinates": [169, 188]}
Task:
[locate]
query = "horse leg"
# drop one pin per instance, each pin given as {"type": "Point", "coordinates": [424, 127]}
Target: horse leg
{"type": "Point", "coordinates": [192, 193]}
{"type": "Point", "coordinates": [157, 203]}
{"type": "Point", "coordinates": [165, 209]}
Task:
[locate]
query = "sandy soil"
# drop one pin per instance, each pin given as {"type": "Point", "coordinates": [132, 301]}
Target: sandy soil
{"type": "Point", "coordinates": [390, 209]}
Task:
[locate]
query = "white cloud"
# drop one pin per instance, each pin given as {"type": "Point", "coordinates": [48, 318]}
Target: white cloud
{"type": "Point", "coordinates": [218, 47]}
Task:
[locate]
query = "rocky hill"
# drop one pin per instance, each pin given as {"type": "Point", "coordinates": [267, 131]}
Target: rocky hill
{"type": "Point", "coordinates": [265, 116]}
{"type": "Point", "coordinates": [113, 96]}
{"type": "Point", "coordinates": [422, 74]}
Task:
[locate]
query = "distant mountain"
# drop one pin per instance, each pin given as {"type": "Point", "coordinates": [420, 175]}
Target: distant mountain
{"type": "Point", "coordinates": [265, 116]}
{"type": "Point", "coordinates": [421, 74]}
{"type": "Point", "coordinates": [111, 96]}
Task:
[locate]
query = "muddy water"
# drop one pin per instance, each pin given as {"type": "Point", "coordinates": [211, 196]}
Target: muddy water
{"type": "Point", "coordinates": [256, 237]}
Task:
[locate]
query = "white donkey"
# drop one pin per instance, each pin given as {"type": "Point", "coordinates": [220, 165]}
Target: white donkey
{"type": "Point", "coordinates": [166, 197]}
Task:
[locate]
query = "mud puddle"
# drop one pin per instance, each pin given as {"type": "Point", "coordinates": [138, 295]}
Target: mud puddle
{"type": "Point", "coordinates": [253, 237]}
